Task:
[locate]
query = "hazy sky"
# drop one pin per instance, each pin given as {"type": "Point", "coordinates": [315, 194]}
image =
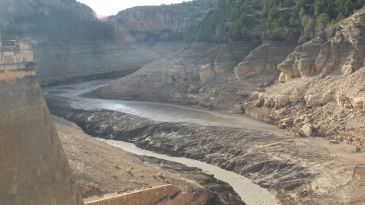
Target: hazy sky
{"type": "Point", "coordinates": [111, 7]}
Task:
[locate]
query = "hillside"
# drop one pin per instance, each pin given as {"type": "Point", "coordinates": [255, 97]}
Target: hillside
{"type": "Point", "coordinates": [156, 23]}
{"type": "Point", "coordinates": [51, 20]}
{"type": "Point", "coordinates": [296, 84]}
{"type": "Point", "coordinates": [321, 87]}
{"type": "Point", "coordinates": [271, 19]}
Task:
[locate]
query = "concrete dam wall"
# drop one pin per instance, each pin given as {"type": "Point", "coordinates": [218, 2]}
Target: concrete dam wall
{"type": "Point", "coordinates": [34, 169]}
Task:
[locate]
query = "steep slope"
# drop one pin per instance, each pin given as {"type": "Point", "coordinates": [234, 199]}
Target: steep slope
{"type": "Point", "coordinates": [260, 65]}
{"type": "Point", "coordinates": [271, 19]}
{"type": "Point", "coordinates": [199, 73]}
{"type": "Point", "coordinates": [166, 22]}
{"type": "Point", "coordinates": [51, 20]}
{"type": "Point", "coordinates": [66, 62]}
{"type": "Point", "coordinates": [70, 43]}
{"type": "Point", "coordinates": [322, 85]}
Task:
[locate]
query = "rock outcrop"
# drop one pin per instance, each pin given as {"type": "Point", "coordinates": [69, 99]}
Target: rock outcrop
{"type": "Point", "coordinates": [262, 61]}
{"type": "Point", "coordinates": [188, 75]}
{"type": "Point", "coordinates": [321, 87]}
{"type": "Point", "coordinates": [164, 22]}
{"type": "Point", "coordinates": [66, 62]}
{"type": "Point", "coordinates": [60, 20]}
{"type": "Point", "coordinates": [344, 52]}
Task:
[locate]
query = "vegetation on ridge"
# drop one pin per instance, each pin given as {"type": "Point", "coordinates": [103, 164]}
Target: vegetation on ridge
{"type": "Point", "coordinates": [272, 19]}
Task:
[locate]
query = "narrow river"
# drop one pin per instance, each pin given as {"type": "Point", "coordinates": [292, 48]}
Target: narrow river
{"type": "Point", "coordinates": [250, 193]}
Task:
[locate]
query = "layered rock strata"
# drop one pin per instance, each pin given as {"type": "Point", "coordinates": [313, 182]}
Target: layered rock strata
{"type": "Point", "coordinates": [199, 74]}
{"type": "Point", "coordinates": [263, 60]}
{"type": "Point", "coordinates": [344, 52]}
{"type": "Point", "coordinates": [66, 62]}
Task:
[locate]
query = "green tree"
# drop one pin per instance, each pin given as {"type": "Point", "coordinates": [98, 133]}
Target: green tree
{"type": "Point", "coordinates": [321, 23]}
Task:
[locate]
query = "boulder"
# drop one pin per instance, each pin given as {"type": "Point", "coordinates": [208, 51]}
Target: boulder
{"type": "Point", "coordinates": [308, 130]}
{"type": "Point", "coordinates": [282, 77]}
{"type": "Point", "coordinates": [281, 100]}
{"type": "Point", "coordinates": [296, 97]}
{"type": "Point", "coordinates": [269, 102]}
{"type": "Point", "coordinates": [358, 103]}
{"type": "Point", "coordinates": [254, 95]}
{"type": "Point", "coordinates": [259, 102]}
{"type": "Point", "coordinates": [341, 99]}
{"type": "Point", "coordinates": [238, 109]}
{"type": "Point", "coordinates": [328, 96]}
{"type": "Point", "coordinates": [314, 100]}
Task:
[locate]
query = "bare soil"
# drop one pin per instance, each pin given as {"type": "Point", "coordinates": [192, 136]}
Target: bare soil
{"type": "Point", "coordinates": [102, 170]}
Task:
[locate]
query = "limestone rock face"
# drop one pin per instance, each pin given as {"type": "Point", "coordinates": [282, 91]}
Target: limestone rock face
{"type": "Point", "coordinates": [166, 22]}
{"type": "Point", "coordinates": [344, 51]}
{"type": "Point", "coordinates": [68, 62]}
{"type": "Point", "coordinates": [281, 100]}
{"type": "Point", "coordinates": [42, 17]}
{"type": "Point", "coordinates": [299, 63]}
{"type": "Point", "coordinates": [206, 73]}
{"type": "Point", "coordinates": [227, 57]}
{"type": "Point", "coordinates": [263, 61]}
{"type": "Point", "coordinates": [34, 169]}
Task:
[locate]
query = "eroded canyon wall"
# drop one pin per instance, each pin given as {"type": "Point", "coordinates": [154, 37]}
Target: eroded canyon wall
{"type": "Point", "coordinates": [165, 22]}
{"type": "Point", "coordinates": [320, 91]}
{"type": "Point", "coordinates": [60, 62]}
{"type": "Point", "coordinates": [197, 73]}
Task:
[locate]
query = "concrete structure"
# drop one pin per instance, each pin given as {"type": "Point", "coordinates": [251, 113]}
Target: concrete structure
{"type": "Point", "coordinates": [33, 166]}
{"type": "Point", "coordinates": [163, 195]}
{"type": "Point", "coordinates": [16, 59]}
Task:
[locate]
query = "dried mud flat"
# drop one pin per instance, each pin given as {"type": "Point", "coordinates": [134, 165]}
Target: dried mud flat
{"type": "Point", "coordinates": [103, 170]}
{"type": "Point", "coordinates": [300, 171]}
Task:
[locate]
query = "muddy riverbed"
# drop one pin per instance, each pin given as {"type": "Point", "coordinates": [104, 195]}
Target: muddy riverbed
{"type": "Point", "coordinates": [285, 167]}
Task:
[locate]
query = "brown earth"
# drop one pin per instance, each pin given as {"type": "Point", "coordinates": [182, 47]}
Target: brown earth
{"type": "Point", "coordinates": [299, 170]}
{"type": "Point", "coordinates": [103, 170]}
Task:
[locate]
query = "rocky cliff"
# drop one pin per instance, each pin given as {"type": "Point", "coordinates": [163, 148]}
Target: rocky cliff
{"type": "Point", "coordinates": [261, 63]}
{"type": "Point", "coordinates": [65, 62]}
{"type": "Point", "coordinates": [166, 22]}
{"type": "Point", "coordinates": [57, 28]}
{"type": "Point", "coordinates": [51, 20]}
{"type": "Point", "coordinates": [199, 73]}
{"type": "Point", "coordinates": [321, 89]}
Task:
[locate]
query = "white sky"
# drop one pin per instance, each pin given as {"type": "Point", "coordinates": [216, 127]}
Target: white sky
{"type": "Point", "coordinates": [112, 7]}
